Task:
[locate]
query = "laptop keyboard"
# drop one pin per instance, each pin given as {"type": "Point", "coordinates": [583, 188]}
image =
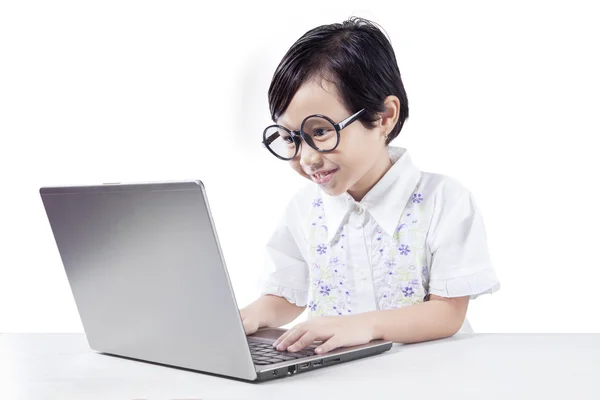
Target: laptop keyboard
{"type": "Point", "coordinates": [265, 354]}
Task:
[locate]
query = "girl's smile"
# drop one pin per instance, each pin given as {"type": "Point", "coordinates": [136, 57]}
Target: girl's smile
{"type": "Point", "coordinates": [324, 177]}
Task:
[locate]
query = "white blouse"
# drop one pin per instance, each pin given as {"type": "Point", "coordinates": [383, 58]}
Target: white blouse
{"type": "Point", "coordinates": [413, 234]}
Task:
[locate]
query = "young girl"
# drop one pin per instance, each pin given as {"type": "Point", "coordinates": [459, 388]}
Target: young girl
{"type": "Point", "coordinates": [374, 247]}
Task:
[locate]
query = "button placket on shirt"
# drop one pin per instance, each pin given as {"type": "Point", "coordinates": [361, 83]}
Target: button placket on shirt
{"type": "Point", "coordinates": [359, 255]}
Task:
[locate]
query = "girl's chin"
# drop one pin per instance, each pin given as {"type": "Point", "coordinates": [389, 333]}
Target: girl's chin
{"type": "Point", "coordinates": [332, 190]}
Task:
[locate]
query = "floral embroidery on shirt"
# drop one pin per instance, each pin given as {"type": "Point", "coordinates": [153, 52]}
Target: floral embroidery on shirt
{"type": "Point", "coordinates": [404, 250]}
{"type": "Point", "coordinates": [321, 249]}
{"type": "Point", "coordinates": [397, 266]}
{"type": "Point", "coordinates": [328, 292]}
{"type": "Point", "coordinates": [397, 280]}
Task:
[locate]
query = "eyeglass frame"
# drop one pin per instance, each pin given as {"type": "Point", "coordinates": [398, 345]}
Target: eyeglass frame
{"type": "Point", "coordinates": [298, 135]}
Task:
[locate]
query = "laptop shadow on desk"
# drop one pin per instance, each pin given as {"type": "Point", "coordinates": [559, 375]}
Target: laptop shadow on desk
{"type": "Point", "coordinates": [174, 367]}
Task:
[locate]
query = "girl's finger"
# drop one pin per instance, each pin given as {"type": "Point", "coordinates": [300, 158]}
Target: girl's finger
{"type": "Point", "coordinates": [291, 337]}
{"type": "Point", "coordinates": [333, 343]}
{"type": "Point", "coordinates": [285, 335]}
{"type": "Point", "coordinates": [303, 341]}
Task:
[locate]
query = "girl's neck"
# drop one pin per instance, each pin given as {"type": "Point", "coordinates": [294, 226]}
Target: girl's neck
{"type": "Point", "coordinates": [370, 179]}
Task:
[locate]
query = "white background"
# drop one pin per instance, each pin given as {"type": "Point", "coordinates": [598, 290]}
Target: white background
{"type": "Point", "coordinates": [503, 97]}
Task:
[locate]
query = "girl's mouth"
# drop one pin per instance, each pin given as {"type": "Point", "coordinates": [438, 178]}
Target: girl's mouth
{"type": "Point", "coordinates": [324, 176]}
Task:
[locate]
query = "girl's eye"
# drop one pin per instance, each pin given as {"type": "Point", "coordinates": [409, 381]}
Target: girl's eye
{"type": "Point", "coordinates": [321, 132]}
{"type": "Point", "coordinates": [288, 139]}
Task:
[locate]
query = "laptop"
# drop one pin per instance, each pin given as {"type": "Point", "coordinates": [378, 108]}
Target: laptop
{"type": "Point", "coordinates": [150, 283]}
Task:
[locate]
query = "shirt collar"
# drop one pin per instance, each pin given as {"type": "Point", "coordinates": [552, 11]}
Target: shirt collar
{"type": "Point", "coordinates": [384, 202]}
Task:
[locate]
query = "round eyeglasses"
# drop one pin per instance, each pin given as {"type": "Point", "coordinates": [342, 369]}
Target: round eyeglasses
{"type": "Point", "coordinates": [318, 131]}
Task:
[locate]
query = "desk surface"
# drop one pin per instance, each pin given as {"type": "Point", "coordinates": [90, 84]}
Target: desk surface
{"type": "Point", "coordinates": [515, 366]}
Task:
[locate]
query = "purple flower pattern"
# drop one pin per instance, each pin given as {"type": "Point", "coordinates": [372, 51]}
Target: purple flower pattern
{"type": "Point", "coordinates": [417, 198]}
{"type": "Point", "coordinates": [325, 290]}
{"type": "Point", "coordinates": [404, 250]}
{"type": "Point", "coordinates": [321, 249]}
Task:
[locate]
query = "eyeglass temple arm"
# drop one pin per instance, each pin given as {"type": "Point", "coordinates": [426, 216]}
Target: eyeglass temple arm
{"type": "Point", "coordinates": [274, 137]}
{"type": "Point", "coordinates": [350, 120]}
{"type": "Point", "coordinates": [270, 139]}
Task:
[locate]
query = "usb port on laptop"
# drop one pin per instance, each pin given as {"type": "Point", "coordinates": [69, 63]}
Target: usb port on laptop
{"type": "Point", "coordinates": [317, 363]}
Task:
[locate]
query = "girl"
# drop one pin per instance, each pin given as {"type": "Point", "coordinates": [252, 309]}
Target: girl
{"type": "Point", "coordinates": [374, 247]}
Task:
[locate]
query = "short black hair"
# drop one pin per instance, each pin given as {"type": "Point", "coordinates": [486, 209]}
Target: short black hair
{"type": "Point", "coordinates": [356, 56]}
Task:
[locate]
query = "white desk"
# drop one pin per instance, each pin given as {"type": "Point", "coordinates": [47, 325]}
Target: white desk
{"type": "Point", "coordinates": [544, 366]}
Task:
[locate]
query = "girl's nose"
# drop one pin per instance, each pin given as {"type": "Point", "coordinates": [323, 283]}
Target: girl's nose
{"type": "Point", "coordinates": [310, 159]}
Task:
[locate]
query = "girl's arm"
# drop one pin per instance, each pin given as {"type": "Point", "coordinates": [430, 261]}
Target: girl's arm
{"type": "Point", "coordinates": [434, 319]}
{"type": "Point", "coordinates": [437, 318]}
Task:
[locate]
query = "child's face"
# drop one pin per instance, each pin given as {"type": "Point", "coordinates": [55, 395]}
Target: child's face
{"type": "Point", "coordinates": [361, 157]}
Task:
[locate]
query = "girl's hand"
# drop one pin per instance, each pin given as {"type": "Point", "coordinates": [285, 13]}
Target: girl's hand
{"type": "Point", "coordinates": [334, 332]}
{"type": "Point", "coordinates": [249, 321]}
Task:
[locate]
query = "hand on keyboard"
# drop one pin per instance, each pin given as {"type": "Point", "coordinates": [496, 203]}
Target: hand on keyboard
{"type": "Point", "coordinates": [264, 354]}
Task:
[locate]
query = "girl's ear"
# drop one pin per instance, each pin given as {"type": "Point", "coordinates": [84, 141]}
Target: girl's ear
{"type": "Point", "coordinates": [390, 116]}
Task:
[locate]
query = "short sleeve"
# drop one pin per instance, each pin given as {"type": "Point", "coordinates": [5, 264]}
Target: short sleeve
{"type": "Point", "coordinates": [460, 260]}
{"type": "Point", "coordinates": [286, 271]}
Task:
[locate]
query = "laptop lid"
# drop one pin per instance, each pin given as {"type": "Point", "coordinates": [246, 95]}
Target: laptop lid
{"type": "Point", "coordinates": [147, 274]}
